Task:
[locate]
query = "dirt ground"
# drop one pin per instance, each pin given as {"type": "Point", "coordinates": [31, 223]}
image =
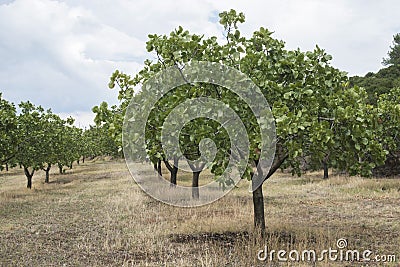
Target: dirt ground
{"type": "Point", "coordinates": [95, 215]}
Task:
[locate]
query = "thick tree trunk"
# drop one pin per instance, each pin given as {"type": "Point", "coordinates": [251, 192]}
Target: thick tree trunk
{"type": "Point", "coordinates": [258, 197]}
{"type": "Point", "coordinates": [83, 159]}
{"type": "Point", "coordinates": [195, 185]}
{"type": "Point", "coordinates": [77, 162]}
{"type": "Point", "coordinates": [29, 177]}
{"type": "Point", "coordinates": [259, 218]}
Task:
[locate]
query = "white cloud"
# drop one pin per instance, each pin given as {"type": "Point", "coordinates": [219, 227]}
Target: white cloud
{"type": "Point", "coordinates": [60, 54]}
{"type": "Point", "coordinates": [357, 33]}
{"type": "Point", "coordinates": [82, 119]}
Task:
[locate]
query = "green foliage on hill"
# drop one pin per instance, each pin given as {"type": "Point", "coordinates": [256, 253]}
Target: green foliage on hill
{"type": "Point", "coordinates": [394, 52]}
{"type": "Point", "coordinates": [378, 83]}
{"type": "Point", "coordinates": [386, 78]}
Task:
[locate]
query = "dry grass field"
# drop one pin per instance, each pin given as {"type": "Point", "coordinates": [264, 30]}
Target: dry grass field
{"type": "Point", "coordinates": [95, 215]}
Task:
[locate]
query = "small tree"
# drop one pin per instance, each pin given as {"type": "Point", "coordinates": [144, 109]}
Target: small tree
{"type": "Point", "coordinates": [52, 141]}
{"type": "Point", "coordinates": [96, 141]}
{"type": "Point", "coordinates": [69, 139]}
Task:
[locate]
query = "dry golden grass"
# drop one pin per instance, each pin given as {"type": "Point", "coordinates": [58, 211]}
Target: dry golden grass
{"type": "Point", "coordinates": [95, 215]}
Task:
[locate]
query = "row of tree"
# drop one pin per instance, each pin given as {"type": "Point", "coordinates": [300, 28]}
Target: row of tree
{"type": "Point", "coordinates": [320, 118]}
{"type": "Point", "coordinates": [37, 139]}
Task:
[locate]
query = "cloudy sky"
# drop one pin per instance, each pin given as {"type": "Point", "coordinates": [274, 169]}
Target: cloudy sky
{"type": "Point", "coordinates": [60, 54]}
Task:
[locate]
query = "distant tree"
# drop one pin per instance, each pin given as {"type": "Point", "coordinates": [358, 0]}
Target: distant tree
{"type": "Point", "coordinates": [394, 53]}
{"type": "Point", "coordinates": [111, 118]}
{"type": "Point", "coordinates": [90, 146]}
{"type": "Point", "coordinates": [383, 89]}
{"type": "Point", "coordinates": [96, 141]}
{"type": "Point", "coordinates": [70, 142]}
{"type": "Point", "coordinates": [388, 130]}
{"type": "Point", "coordinates": [8, 132]}
{"type": "Point", "coordinates": [378, 83]}
{"type": "Point", "coordinates": [31, 131]}
{"type": "Point", "coordinates": [52, 140]}
{"type": "Point", "coordinates": [37, 139]}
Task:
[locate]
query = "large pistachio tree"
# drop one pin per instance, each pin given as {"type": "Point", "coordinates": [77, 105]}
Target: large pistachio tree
{"type": "Point", "coordinates": [316, 114]}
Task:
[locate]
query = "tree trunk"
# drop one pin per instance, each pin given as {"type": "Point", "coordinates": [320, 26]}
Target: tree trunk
{"type": "Point", "coordinates": [6, 167]}
{"type": "Point", "coordinates": [173, 170]}
{"type": "Point", "coordinates": [29, 185]}
{"type": "Point", "coordinates": [83, 159]}
{"type": "Point", "coordinates": [77, 162]}
{"type": "Point", "coordinates": [47, 170]}
{"type": "Point", "coordinates": [159, 167]}
{"type": "Point", "coordinates": [326, 170]}
{"type": "Point", "coordinates": [60, 168]}
{"type": "Point", "coordinates": [29, 177]}
{"type": "Point", "coordinates": [195, 179]}
{"type": "Point", "coordinates": [173, 176]}
{"type": "Point", "coordinates": [258, 204]}
{"type": "Point", "coordinates": [195, 185]}
{"type": "Point", "coordinates": [258, 198]}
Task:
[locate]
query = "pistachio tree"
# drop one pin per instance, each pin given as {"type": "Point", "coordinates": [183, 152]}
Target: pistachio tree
{"type": "Point", "coordinates": [111, 119]}
{"type": "Point", "coordinates": [96, 141]}
{"type": "Point", "coordinates": [70, 141]}
{"type": "Point", "coordinates": [8, 134]}
{"type": "Point", "coordinates": [316, 113]}
{"type": "Point", "coordinates": [388, 127]}
{"type": "Point", "coordinates": [31, 131]}
{"type": "Point", "coordinates": [56, 148]}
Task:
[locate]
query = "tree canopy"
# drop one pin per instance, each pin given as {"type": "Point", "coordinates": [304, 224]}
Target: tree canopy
{"type": "Point", "coordinates": [8, 131]}
{"type": "Point", "coordinates": [37, 139]}
{"type": "Point", "coordinates": [317, 114]}
{"type": "Point", "coordinates": [378, 83]}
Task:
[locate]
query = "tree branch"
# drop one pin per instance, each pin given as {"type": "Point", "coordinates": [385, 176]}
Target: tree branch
{"type": "Point", "coordinates": [275, 166]}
